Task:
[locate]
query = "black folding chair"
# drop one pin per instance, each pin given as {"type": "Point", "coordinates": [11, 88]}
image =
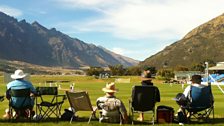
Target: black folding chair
{"type": "Point", "coordinates": [48, 102]}
{"type": "Point", "coordinates": [201, 104]}
{"type": "Point", "coordinates": [143, 100]}
{"type": "Point", "coordinates": [21, 102]}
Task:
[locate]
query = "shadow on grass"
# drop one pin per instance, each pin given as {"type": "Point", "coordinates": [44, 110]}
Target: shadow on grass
{"type": "Point", "coordinates": [213, 121]}
{"type": "Point", "coordinates": [95, 121]}
{"type": "Point", "coordinates": [48, 120]}
{"type": "Point", "coordinates": [218, 120]}
{"type": "Point", "coordinates": [208, 121]}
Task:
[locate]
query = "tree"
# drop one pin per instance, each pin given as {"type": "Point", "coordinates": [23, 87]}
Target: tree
{"type": "Point", "coordinates": [118, 70]}
{"type": "Point", "coordinates": [166, 74]}
{"type": "Point", "coordinates": [135, 70]}
{"type": "Point", "coordinates": [198, 67]}
{"type": "Point", "coordinates": [94, 71]}
{"type": "Point", "coordinates": [181, 68]}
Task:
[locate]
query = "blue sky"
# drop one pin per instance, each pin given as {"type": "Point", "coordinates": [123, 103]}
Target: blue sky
{"type": "Point", "coordinates": [133, 28]}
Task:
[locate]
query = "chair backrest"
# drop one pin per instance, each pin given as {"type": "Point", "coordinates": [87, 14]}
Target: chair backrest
{"type": "Point", "coordinates": [20, 98]}
{"type": "Point", "coordinates": [79, 101]}
{"type": "Point", "coordinates": [47, 90]}
{"type": "Point", "coordinates": [144, 97]}
{"type": "Point", "coordinates": [201, 97]}
{"type": "Point", "coordinates": [20, 92]}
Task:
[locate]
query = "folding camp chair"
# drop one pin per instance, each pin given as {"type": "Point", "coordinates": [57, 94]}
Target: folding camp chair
{"type": "Point", "coordinates": [80, 101]}
{"type": "Point", "coordinates": [48, 102]}
{"type": "Point", "coordinates": [201, 103]}
{"type": "Point", "coordinates": [143, 100]}
{"type": "Point", "coordinates": [20, 102]}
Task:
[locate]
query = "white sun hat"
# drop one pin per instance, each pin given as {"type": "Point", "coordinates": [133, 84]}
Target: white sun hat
{"type": "Point", "coordinates": [110, 87]}
{"type": "Point", "coordinates": [18, 74]}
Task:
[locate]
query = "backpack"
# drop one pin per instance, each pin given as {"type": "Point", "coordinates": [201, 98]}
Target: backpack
{"type": "Point", "coordinates": [165, 114]}
{"type": "Point", "coordinates": [67, 115]}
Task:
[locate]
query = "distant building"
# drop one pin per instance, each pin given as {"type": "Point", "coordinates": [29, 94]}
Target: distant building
{"type": "Point", "coordinates": [219, 68]}
{"type": "Point", "coordinates": [216, 75]}
{"type": "Point", "coordinates": [185, 75]}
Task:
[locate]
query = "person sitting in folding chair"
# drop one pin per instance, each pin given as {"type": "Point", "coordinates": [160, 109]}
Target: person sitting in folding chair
{"type": "Point", "coordinates": [20, 102]}
{"type": "Point", "coordinates": [184, 98]}
{"type": "Point", "coordinates": [196, 97]}
{"type": "Point", "coordinates": [146, 80]}
{"type": "Point", "coordinates": [143, 100]}
{"type": "Point", "coordinates": [113, 109]}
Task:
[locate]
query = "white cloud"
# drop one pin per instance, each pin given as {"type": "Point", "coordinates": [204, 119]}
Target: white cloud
{"type": "Point", "coordinates": [118, 50]}
{"type": "Point", "coordinates": [155, 22]}
{"type": "Point", "coordinates": [132, 53]}
{"type": "Point", "coordinates": [11, 11]}
{"type": "Point", "coordinates": [140, 19]}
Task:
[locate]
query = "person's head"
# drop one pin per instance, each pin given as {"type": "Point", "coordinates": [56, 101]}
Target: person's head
{"type": "Point", "coordinates": [147, 72]}
{"type": "Point", "coordinates": [147, 69]}
{"type": "Point", "coordinates": [110, 88]}
{"type": "Point", "coordinates": [196, 79]}
{"type": "Point", "coordinates": [18, 74]}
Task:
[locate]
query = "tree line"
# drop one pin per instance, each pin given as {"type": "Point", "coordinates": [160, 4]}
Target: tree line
{"type": "Point", "coordinates": [164, 73]}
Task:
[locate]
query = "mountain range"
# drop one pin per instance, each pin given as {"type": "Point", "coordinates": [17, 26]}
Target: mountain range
{"type": "Point", "coordinates": [35, 44]}
{"type": "Point", "coordinates": [203, 43]}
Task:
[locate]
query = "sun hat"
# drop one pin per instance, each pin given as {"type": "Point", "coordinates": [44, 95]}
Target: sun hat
{"type": "Point", "coordinates": [18, 74]}
{"type": "Point", "coordinates": [196, 78]}
{"type": "Point", "coordinates": [110, 88]}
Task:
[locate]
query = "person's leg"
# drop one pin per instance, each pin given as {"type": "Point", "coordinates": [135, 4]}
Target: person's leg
{"type": "Point", "coordinates": [7, 114]}
{"type": "Point", "coordinates": [141, 117]}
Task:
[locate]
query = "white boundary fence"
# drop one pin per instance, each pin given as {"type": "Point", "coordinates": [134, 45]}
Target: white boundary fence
{"type": "Point", "coordinates": [123, 80]}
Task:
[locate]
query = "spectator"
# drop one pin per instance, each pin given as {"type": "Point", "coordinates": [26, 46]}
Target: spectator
{"type": "Point", "coordinates": [183, 99]}
{"type": "Point", "coordinates": [146, 80]}
{"type": "Point", "coordinates": [20, 83]}
{"type": "Point", "coordinates": [111, 106]}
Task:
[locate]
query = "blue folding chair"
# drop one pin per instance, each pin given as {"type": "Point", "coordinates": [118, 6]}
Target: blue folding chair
{"type": "Point", "coordinates": [201, 103]}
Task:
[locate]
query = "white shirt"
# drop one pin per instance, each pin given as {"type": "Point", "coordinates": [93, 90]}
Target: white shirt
{"type": "Point", "coordinates": [188, 88]}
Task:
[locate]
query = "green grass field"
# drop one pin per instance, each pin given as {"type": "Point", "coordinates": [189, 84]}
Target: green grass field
{"type": "Point", "coordinates": [94, 86]}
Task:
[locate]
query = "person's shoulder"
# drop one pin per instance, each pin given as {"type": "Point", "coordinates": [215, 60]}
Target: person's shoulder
{"type": "Point", "coordinates": [197, 85]}
{"type": "Point", "coordinates": [12, 82]}
{"type": "Point", "coordinates": [101, 98]}
{"type": "Point", "coordinates": [26, 82]}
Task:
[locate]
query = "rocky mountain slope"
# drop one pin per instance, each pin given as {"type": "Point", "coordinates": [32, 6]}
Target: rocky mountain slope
{"type": "Point", "coordinates": [204, 43]}
{"type": "Point", "coordinates": [35, 44]}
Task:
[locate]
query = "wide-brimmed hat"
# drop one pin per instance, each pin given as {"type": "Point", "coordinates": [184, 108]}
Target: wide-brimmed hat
{"type": "Point", "coordinates": [196, 78]}
{"type": "Point", "coordinates": [110, 88]}
{"type": "Point", "coordinates": [18, 74]}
